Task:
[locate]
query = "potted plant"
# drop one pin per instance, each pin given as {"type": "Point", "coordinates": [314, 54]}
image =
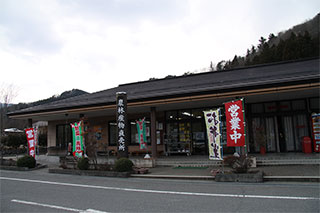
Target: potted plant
{"type": "Point", "coordinates": [239, 164]}
{"type": "Point", "coordinates": [240, 172]}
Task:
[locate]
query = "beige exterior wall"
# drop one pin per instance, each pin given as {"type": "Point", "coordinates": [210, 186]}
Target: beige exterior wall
{"type": "Point", "coordinates": [97, 133]}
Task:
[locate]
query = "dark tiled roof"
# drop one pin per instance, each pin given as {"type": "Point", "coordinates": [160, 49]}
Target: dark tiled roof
{"type": "Point", "coordinates": [230, 80]}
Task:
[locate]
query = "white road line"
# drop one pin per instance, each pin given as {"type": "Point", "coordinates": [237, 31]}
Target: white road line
{"type": "Point", "coordinates": [56, 207]}
{"type": "Point", "coordinates": [46, 205]}
{"type": "Point", "coordinates": [92, 211]}
{"type": "Point", "coordinates": [161, 192]}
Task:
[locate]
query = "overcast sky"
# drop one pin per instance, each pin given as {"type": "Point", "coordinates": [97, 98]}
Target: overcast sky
{"type": "Point", "coordinates": [50, 46]}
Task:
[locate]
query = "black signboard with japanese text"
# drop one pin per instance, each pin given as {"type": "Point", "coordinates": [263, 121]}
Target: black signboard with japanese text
{"type": "Point", "coordinates": [122, 133]}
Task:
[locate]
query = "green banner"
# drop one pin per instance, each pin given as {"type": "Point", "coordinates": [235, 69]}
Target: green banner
{"type": "Point", "coordinates": [141, 127]}
{"type": "Point", "coordinates": [77, 139]}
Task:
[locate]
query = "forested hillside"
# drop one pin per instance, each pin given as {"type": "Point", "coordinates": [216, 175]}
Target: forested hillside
{"type": "Point", "coordinates": [301, 41]}
{"type": "Point", "coordinates": [8, 123]}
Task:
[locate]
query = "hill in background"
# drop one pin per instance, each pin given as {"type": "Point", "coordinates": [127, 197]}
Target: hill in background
{"type": "Point", "coordinates": [21, 124]}
{"type": "Point", "coordinates": [301, 41]}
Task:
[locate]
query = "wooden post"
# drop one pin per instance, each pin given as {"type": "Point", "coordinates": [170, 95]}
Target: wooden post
{"type": "Point", "coordinates": [153, 132]}
{"type": "Point", "coordinates": [30, 122]}
{"type": "Point", "coordinates": [122, 124]}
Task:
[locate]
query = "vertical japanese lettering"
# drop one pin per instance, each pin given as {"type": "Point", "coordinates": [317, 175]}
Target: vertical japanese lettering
{"type": "Point", "coordinates": [212, 119]}
{"type": "Point", "coordinates": [235, 123]}
{"type": "Point", "coordinates": [31, 141]}
{"type": "Point", "coordinates": [121, 124]}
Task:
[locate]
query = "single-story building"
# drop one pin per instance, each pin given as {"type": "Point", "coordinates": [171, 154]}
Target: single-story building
{"type": "Point", "coordinates": [279, 100]}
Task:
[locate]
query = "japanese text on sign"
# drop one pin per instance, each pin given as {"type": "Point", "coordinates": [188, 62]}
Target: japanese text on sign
{"type": "Point", "coordinates": [77, 139]}
{"type": "Point", "coordinates": [235, 123]}
{"type": "Point", "coordinates": [31, 141]}
{"type": "Point", "coordinates": [141, 128]}
{"type": "Point", "coordinates": [212, 119]}
{"type": "Point", "coordinates": [121, 125]}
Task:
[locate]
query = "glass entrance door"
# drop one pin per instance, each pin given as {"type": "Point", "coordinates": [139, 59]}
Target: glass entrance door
{"type": "Point", "coordinates": [271, 139]}
{"type": "Point", "coordinates": [291, 131]}
{"type": "Point", "coordinates": [264, 133]}
{"type": "Point", "coordinates": [198, 138]}
{"type": "Point", "coordinates": [286, 136]}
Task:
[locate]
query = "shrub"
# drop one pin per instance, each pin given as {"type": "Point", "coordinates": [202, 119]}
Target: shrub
{"type": "Point", "coordinates": [83, 163]}
{"type": "Point", "coordinates": [14, 140]}
{"type": "Point", "coordinates": [123, 165]}
{"type": "Point", "coordinates": [26, 161]}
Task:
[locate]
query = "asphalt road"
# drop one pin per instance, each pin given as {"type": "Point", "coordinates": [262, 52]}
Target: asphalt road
{"type": "Point", "coordinates": [39, 191]}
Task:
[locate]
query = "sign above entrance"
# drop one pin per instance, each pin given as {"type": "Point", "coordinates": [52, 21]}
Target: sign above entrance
{"type": "Point", "coordinates": [235, 123]}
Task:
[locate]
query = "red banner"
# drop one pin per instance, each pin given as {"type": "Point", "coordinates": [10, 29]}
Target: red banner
{"type": "Point", "coordinates": [235, 123]}
{"type": "Point", "coordinates": [31, 141]}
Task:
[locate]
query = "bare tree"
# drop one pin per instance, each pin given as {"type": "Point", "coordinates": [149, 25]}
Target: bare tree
{"type": "Point", "coordinates": [7, 93]}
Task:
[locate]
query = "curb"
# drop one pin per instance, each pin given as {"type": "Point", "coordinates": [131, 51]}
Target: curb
{"type": "Point", "coordinates": [90, 173]}
{"type": "Point", "coordinates": [292, 178]}
{"type": "Point", "coordinates": [265, 178]}
{"type": "Point", "coordinates": [182, 177]}
{"type": "Point", "coordinates": [15, 168]}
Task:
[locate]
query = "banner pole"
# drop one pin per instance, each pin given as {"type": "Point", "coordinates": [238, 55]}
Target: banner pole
{"type": "Point", "coordinates": [245, 127]}
{"type": "Point", "coordinates": [221, 144]}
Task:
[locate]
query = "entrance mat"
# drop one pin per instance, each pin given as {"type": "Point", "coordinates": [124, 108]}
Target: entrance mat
{"type": "Point", "coordinates": [191, 167]}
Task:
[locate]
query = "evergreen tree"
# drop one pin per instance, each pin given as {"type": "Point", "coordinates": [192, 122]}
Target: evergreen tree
{"type": "Point", "coordinates": [220, 65]}
{"type": "Point", "coordinates": [288, 45]}
{"type": "Point", "coordinates": [235, 62]}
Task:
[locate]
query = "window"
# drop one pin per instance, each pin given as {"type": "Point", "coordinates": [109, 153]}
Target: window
{"type": "Point", "coordinates": [299, 105]}
{"type": "Point", "coordinates": [270, 107]}
{"type": "Point", "coordinates": [64, 135]}
{"type": "Point", "coordinates": [133, 132]}
{"type": "Point", "coordinates": [171, 115]}
{"type": "Point", "coordinates": [257, 108]}
{"type": "Point", "coordinates": [112, 133]}
{"type": "Point", "coordinates": [197, 113]}
{"type": "Point", "coordinates": [285, 106]}
{"type": "Point", "coordinates": [184, 114]}
{"type": "Point", "coordinates": [315, 104]}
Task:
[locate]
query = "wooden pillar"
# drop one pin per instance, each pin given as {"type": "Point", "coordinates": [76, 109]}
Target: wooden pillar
{"type": "Point", "coordinates": [153, 132]}
{"type": "Point", "coordinates": [122, 125]}
{"type": "Point", "coordinates": [30, 122]}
